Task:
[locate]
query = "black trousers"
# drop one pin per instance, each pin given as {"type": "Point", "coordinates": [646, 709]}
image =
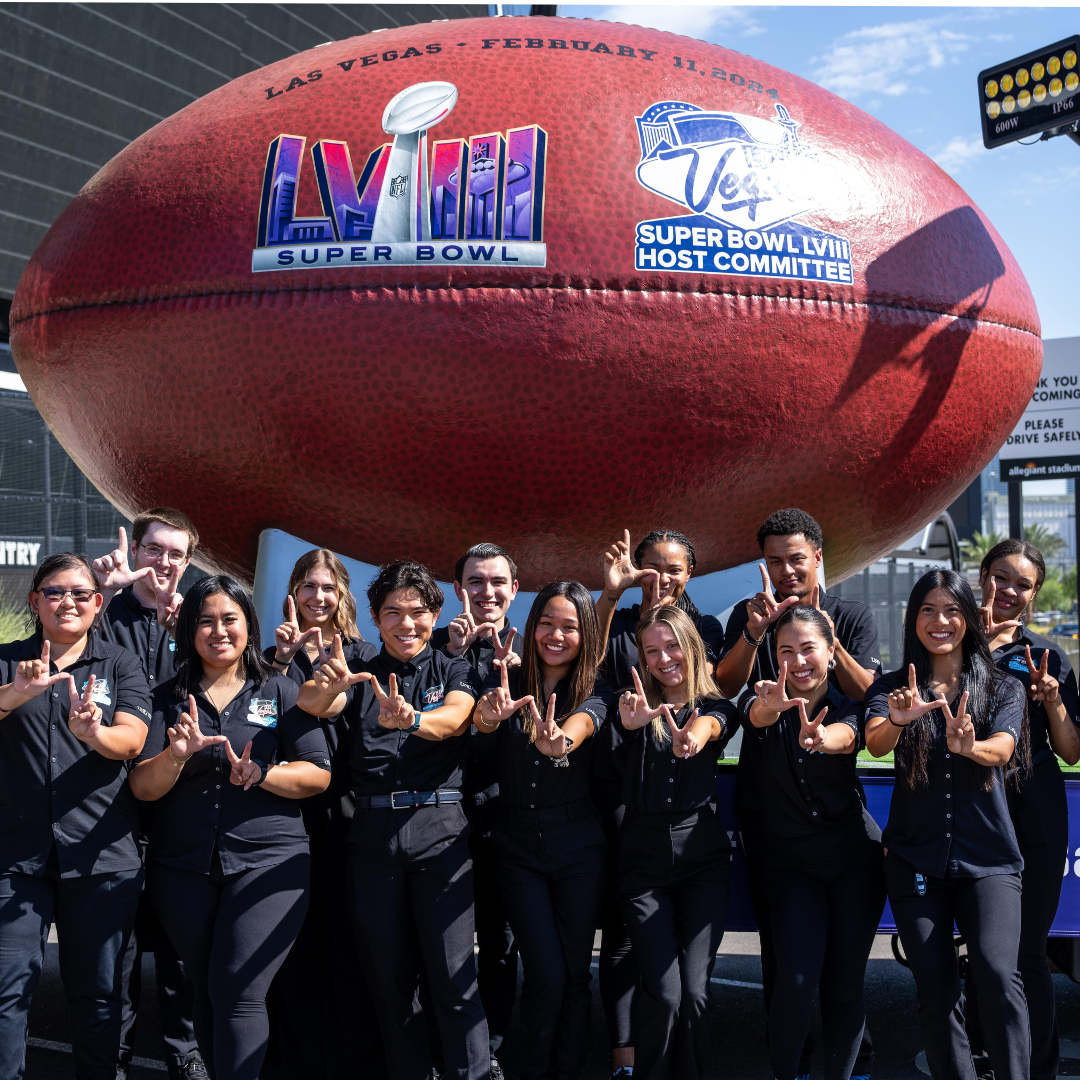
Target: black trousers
{"type": "Point", "coordinates": [752, 841]}
{"type": "Point", "coordinates": [497, 954]}
{"type": "Point", "coordinates": [674, 873]}
{"type": "Point", "coordinates": [619, 980]}
{"type": "Point", "coordinates": [987, 913]}
{"type": "Point", "coordinates": [233, 932]}
{"type": "Point", "coordinates": [411, 902]}
{"type": "Point", "coordinates": [552, 868]}
{"type": "Point", "coordinates": [175, 994]}
{"type": "Point", "coordinates": [94, 916]}
{"type": "Point", "coordinates": [823, 920]}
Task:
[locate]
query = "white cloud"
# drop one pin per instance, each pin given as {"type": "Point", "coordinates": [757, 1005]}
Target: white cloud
{"type": "Point", "coordinates": [704, 22]}
{"type": "Point", "coordinates": [959, 152]}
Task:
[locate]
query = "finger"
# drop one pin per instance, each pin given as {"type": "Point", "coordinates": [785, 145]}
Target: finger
{"type": "Point", "coordinates": [551, 709]}
{"type": "Point", "coordinates": [383, 699]}
{"type": "Point", "coordinates": [990, 592]}
{"type": "Point", "coordinates": [309, 634]}
{"type": "Point", "coordinates": [504, 676]}
{"type": "Point", "coordinates": [1030, 662]}
{"type": "Point", "coordinates": [671, 721]}
{"type": "Point", "coordinates": [73, 691]}
{"type": "Point", "coordinates": [766, 584]}
{"type": "Point", "coordinates": [1044, 664]}
{"type": "Point", "coordinates": [174, 579]}
{"type": "Point", "coordinates": [466, 609]}
{"type": "Point", "coordinates": [536, 717]}
{"type": "Point", "coordinates": [961, 713]}
{"type": "Point", "coordinates": [88, 692]}
{"type": "Point", "coordinates": [339, 651]}
{"type": "Point", "coordinates": [245, 757]}
{"type": "Point", "coordinates": [521, 703]}
{"type": "Point", "coordinates": [509, 641]}
{"type": "Point", "coordinates": [45, 654]}
{"type": "Point", "coordinates": [912, 682]}
{"type": "Point", "coordinates": [637, 682]}
{"type": "Point", "coordinates": [802, 712]}
{"type": "Point", "coordinates": [943, 705]}
{"type": "Point", "coordinates": [291, 617]}
{"type": "Point", "coordinates": [626, 540]}
{"type": "Point", "coordinates": [391, 691]}
{"type": "Point", "coordinates": [783, 680]}
{"type": "Point", "coordinates": [193, 710]}
{"type": "Point", "coordinates": [324, 657]}
{"type": "Point", "coordinates": [815, 597]}
{"type": "Point", "coordinates": [230, 753]}
{"type": "Point", "coordinates": [820, 716]}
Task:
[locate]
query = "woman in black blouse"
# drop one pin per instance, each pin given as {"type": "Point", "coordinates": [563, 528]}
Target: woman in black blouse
{"type": "Point", "coordinates": [954, 723]}
{"type": "Point", "coordinates": [228, 856]}
{"type": "Point", "coordinates": [674, 855]}
{"type": "Point", "coordinates": [548, 844]}
{"type": "Point", "coordinates": [820, 847]}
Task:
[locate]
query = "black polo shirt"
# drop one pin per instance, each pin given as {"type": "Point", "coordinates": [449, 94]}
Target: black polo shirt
{"type": "Point", "coordinates": [385, 760]}
{"type": "Point", "coordinates": [126, 622]}
{"type": "Point", "coordinates": [854, 628]}
{"type": "Point", "coordinates": [527, 779]}
{"type": "Point", "coordinates": [481, 783]}
{"type": "Point", "coordinates": [657, 782]}
{"type": "Point", "coordinates": [619, 661]}
{"type": "Point", "coordinates": [205, 809]}
{"type": "Point", "coordinates": [952, 827]}
{"type": "Point", "coordinates": [55, 789]}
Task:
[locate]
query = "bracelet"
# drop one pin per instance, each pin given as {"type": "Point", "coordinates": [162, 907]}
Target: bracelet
{"type": "Point", "coordinates": [750, 641]}
{"type": "Point", "coordinates": [179, 763]}
{"type": "Point", "coordinates": [480, 717]}
{"type": "Point", "coordinates": [895, 724]}
{"type": "Point", "coordinates": [286, 663]}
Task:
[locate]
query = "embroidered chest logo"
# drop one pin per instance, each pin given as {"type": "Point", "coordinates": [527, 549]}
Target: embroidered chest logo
{"type": "Point", "coordinates": [101, 694]}
{"type": "Point", "coordinates": [262, 711]}
{"type": "Point", "coordinates": [433, 697]}
{"type": "Point", "coordinates": [1019, 664]}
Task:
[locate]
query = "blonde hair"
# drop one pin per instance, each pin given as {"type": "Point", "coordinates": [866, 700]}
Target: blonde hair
{"type": "Point", "coordinates": [345, 613]}
{"type": "Point", "coordinates": [698, 680]}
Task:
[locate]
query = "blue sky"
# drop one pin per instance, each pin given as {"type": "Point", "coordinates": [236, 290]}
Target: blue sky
{"type": "Point", "coordinates": [914, 68]}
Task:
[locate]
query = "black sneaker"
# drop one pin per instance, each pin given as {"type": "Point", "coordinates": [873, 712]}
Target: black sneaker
{"type": "Point", "coordinates": [496, 1070]}
{"type": "Point", "coordinates": [192, 1069]}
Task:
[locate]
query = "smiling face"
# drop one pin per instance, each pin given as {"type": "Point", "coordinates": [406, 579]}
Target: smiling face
{"type": "Point", "coordinates": [405, 623]}
{"type": "Point", "coordinates": [663, 655]}
{"type": "Point", "coordinates": [558, 634]}
{"type": "Point", "coordinates": [66, 618]}
{"type": "Point", "coordinates": [490, 587]}
{"type": "Point", "coordinates": [792, 563]}
{"type": "Point", "coordinates": [1015, 579]}
{"type": "Point", "coordinates": [940, 624]}
{"type": "Point", "coordinates": [161, 548]}
{"type": "Point", "coordinates": [317, 598]}
{"type": "Point", "coordinates": [808, 656]}
{"type": "Point", "coordinates": [672, 563]}
{"type": "Point", "coordinates": [221, 634]}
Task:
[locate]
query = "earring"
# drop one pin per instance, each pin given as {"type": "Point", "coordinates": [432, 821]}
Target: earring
{"type": "Point", "coordinates": [832, 664]}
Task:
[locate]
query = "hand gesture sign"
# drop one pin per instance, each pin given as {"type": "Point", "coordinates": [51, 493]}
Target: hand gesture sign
{"type": "Point", "coordinates": [185, 738]}
{"type": "Point", "coordinates": [621, 574]}
{"type": "Point", "coordinates": [167, 599]}
{"type": "Point", "coordinates": [498, 705]}
{"type": "Point", "coordinates": [991, 628]}
{"type": "Point", "coordinates": [763, 610]}
{"type": "Point", "coordinates": [550, 739]}
{"type": "Point", "coordinates": [634, 710]}
{"type": "Point", "coordinates": [113, 572]}
{"type": "Point", "coordinates": [773, 695]}
{"type": "Point", "coordinates": [959, 729]}
{"type": "Point", "coordinates": [815, 603]}
{"type": "Point", "coordinates": [84, 716]}
{"type": "Point", "coordinates": [684, 743]}
{"type": "Point", "coordinates": [32, 676]}
{"type": "Point", "coordinates": [504, 654]}
{"type": "Point", "coordinates": [333, 676]}
{"type": "Point", "coordinates": [1043, 686]}
{"type": "Point", "coordinates": [464, 630]}
{"type": "Point", "coordinates": [288, 639]}
{"type": "Point", "coordinates": [906, 703]}
{"type": "Point", "coordinates": [811, 732]}
{"type": "Point", "coordinates": [394, 711]}
{"type": "Point", "coordinates": [244, 771]}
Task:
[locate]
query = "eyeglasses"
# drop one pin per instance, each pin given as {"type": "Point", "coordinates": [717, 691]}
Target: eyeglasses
{"type": "Point", "coordinates": [80, 596]}
{"type": "Point", "coordinates": [154, 553]}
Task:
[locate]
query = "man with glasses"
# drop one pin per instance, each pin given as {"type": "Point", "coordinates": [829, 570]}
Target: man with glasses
{"type": "Point", "coordinates": [139, 586]}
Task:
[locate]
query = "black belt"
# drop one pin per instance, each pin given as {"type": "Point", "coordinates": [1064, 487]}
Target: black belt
{"type": "Point", "coordinates": [404, 800]}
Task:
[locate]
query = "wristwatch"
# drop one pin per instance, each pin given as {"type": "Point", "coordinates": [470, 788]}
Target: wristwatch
{"type": "Point", "coordinates": [415, 723]}
{"type": "Point", "coordinates": [265, 769]}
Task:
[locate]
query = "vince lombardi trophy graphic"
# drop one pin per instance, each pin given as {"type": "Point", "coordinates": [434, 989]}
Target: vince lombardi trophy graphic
{"type": "Point", "coordinates": [403, 213]}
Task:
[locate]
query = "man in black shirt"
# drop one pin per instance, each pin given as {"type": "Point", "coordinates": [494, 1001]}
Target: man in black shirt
{"type": "Point", "coordinates": [139, 584]}
{"type": "Point", "coordinates": [410, 876]}
{"type": "Point", "coordinates": [790, 541]}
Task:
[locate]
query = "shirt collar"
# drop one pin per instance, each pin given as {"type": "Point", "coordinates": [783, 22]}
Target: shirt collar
{"type": "Point", "coordinates": [392, 664]}
{"type": "Point", "coordinates": [133, 602]}
{"type": "Point", "coordinates": [95, 649]}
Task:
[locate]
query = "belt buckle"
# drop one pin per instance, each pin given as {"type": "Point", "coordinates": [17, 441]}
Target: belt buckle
{"type": "Point", "coordinates": [403, 806]}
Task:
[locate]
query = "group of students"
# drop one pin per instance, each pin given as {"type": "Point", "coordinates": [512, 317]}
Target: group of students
{"type": "Point", "coordinates": [352, 846]}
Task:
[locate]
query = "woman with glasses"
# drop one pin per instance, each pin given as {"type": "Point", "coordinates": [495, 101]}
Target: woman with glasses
{"type": "Point", "coordinates": [73, 710]}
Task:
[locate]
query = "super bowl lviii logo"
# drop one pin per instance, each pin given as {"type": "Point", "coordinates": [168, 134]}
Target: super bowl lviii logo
{"type": "Point", "coordinates": [745, 181]}
{"type": "Point", "coordinates": [478, 200]}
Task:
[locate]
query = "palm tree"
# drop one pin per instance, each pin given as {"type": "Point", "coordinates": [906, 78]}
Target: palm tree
{"type": "Point", "coordinates": [1046, 540]}
{"type": "Point", "coordinates": [975, 549]}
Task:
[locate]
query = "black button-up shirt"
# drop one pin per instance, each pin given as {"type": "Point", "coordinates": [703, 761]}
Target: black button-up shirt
{"type": "Point", "coordinates": [621, 658]}
{"type": "Point", "coordinates": [126, 622]}
{"type": "Point", "coordinates": [657, 782]}
{"type": "Point", "coordinates": [55, 789]}
{"type": "Point", "coordinates": [952, 826]}
{"type": "Point", "coordinates": [812, 805]}
{"type": "Point", "coordinates": [854, 628]}
{"type": "Point", "coordinates": [385, 760]}
{"type": "Point", "coordinates": [481, 783]}
{"type": "Point", "coordinates": [527, 779]}
{"type": "Point", "coordinates": [205, 809]}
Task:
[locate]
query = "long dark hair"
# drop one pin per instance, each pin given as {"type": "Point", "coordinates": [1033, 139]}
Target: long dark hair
{"type": "Point", "coordinates": [189, 668]}
{"type": "Point", "coordinates": [55, 564]}
{"type": "Point", "coordinates": [984, 683]}
{"type": "Point", "coordinates": [670, 536]}
{"type": "Point", "coordinates": [583, 675]}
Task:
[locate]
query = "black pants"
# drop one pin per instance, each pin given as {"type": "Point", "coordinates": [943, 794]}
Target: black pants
{"type": "Point", "coordinates": [752, 841]}
{"type": "Point", "coordinates": [824, 918]}
{"type": "Point", "coordinates": [233, 932]}
{"type": "Point", "coordinates": [987, 913]}
{"type": "Point", "coordinates": [175, 994]}
{"type": "Point", "coordinates": [552, 867]}
{"type": "Point", "coordinates": [94, 916]}
{"type": "Point", "coordinates": [411, 902]}
{"type": "Point", "coordinates": [674, 876]}
{"type": "Point", "coordinates": [497, 954]}
{"type": "Point", "coordinates": [619, 981]}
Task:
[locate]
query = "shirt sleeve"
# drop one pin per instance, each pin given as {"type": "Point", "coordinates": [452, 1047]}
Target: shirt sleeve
{"type": "Point", "coordinates": [1010, 707]}
{"type": "Point", "coordinates": [877, 697]}
{"type": "Point", "coordinates": [161, 711]}
{"type": "Point", "coordinates": [736, 624]}
{"type": "Point", "coordinates": [728, 715]}
{"type": "Point", "coordinates": [301, 734]}
{"type": "Point", "coordinates": [743, 708]}
{"type": "Point", "coordinates": [132, 689]}
{"type": "Point", "coordinates": [461, 675]}
{"type": "Point", "coordinates": [862, 639]}
{"type": "Point", "coordinates": [851, 713]}
{"type": "Point", "coordinates": [596, 705]}
{"type": "Point", "coordinates": [1066, 678]}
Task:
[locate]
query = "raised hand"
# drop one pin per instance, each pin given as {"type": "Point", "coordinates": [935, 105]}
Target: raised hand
{"type": "Point", "coordinates": [185, 738]}
{"type": "Point", "coordinates": [167, 599]}
{"type": "Point", "coordinates": [84, 716]}
{"type": "Point", "coordinates": [550, 740]}
{"type": "Point", "coordinates": [815, 603]}
{"type": "Point", "coordinates": [498, 705]}
{"type": "Point", "coordinates": [684, 743]}
{"type": "Point", "coordinates": [959, 729]}
{"type": "Point", "coordinates": [634, 709]}
{"type": "Point", "coordinates": [464, 630]}
{"type": "Point", "coordinates": [773, 695]}
{"type": "Point", "coordinates": [244, 771]}
{"type": "Point", "coordinates": [394, 711]}
{"type": "Point", "coordinates": [991, 628]}
{"type": "Point", "coordinates": [1044, 687]}
{"type": "Point", "coordinates": [504, 654]}
{"type": "Point", "coordinates": [906, 703]}
{"type": "Point", "coordinates": [32, 676]}
{"type": "Point", "coordinates": [113, 572]}
{"type": "Point", "coordinates": [333, 676]}
{"type": "Point", "coordinates": [288, 638]}
{"type": "Point", "coordinates": [763, 610]}
{"type": "Point", "coordinates": [621, 574]}
{"type": "Point", "coordinates": [811, 732]}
